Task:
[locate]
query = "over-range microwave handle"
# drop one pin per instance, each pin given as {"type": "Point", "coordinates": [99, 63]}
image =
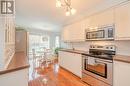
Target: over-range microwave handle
{"type": "Point", "coordinates": [97, 61]}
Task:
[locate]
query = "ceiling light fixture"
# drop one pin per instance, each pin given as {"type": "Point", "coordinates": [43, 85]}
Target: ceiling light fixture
{"type": "Point", "coordinates": [67, 5]}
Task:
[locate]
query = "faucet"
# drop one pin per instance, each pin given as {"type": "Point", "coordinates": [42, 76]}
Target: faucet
{"type": "Point", "coordinates": [73, 47]}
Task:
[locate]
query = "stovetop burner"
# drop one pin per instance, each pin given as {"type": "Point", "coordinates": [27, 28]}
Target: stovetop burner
{"type": "Point", "coordinates": [105, 52]}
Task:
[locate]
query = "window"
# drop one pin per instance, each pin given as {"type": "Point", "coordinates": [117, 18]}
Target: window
{"type": "Point", "coordinates": [38, 42]}
{"type": "Point", "coordinates": [57, 41]}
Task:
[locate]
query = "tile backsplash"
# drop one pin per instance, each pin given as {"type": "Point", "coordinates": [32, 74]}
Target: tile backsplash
{"type": "Point", "coordinates": [122, 47]}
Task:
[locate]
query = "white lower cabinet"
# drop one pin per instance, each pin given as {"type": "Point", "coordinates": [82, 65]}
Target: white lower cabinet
{"type": "Point", "coordinates": [121, 74]}
{"type": "Point", "coordinates": [71, 61]}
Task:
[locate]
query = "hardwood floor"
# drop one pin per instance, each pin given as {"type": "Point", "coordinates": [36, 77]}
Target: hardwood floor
{"type": "Point", "coordinates": [55, 76]}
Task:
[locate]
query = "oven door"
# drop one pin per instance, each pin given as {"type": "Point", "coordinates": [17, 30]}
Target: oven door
{"type": "Point", "coordinates": [98, 68]}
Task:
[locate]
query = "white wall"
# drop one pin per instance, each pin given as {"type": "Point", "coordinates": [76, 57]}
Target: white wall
{"type": "Point", "coordinates": [1, 48]}
{"type": "Point", "coordinates": [123, 47]}
{"type": "Point", "coordinates": [2, 42]}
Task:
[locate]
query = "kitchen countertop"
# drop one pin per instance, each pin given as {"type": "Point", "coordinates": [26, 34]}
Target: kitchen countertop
{"type": "Point", "coordinates": [75, 51]}
{"type": "Point", "coordinates": [18, 62]}
{"type": "Point", "coordinates": [121, 58]}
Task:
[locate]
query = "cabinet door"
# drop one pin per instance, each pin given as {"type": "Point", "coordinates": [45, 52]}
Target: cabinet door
{"type": "Point", "coordinates": [121, 74]}
{"type": "Point", "coordinates": [86, 23]}
{"type": "Point", "coordinates": [71, 61]}
{"type": "Point", "coordinates": [71, 32]}
{"type": "Point", "coordinates": [103, 18]}
{"type": "Point", "coordinates": [74, 32]}
{"type": "Point", "coordinates": [64, 59]}
{"type": "Point", "coordinates": [77, 32]}
{"type": "Point", "coordinates": [77, 65]}
{"type": "Point", "coordinates": [65, 34]}
{"type": "Point", "coordinates": [122, 22]}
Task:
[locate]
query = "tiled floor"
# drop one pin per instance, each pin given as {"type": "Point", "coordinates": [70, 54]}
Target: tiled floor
{"type": "Point", "coordinates": [53, 76]}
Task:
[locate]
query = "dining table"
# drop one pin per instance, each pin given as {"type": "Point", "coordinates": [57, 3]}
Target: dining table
{"type": "Point", "coordinates": [43, 55]}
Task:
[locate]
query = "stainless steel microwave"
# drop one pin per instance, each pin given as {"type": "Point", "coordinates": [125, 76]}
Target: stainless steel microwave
{"type": "Point", "coordinates": [101, 33]}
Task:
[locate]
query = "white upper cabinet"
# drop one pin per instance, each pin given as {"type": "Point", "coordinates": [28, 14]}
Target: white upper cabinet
{"type": "Point", "coordinates": [65, 34]}
{"type": "Point", "coordinates": [74, 32]}
{"type": "Point", "coordinates": [86, 22]}
{"type": "Point", "coordinates": [122, 22]}
{"type": "Point", "coordinates": [105, 18]}
{"type": "Point", "coordinates": [78, 31]}
{"type": "Point", "coordinates": [100, 19]}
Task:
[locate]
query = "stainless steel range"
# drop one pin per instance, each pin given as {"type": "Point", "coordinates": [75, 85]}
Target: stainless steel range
{"type": "Point", "coordinates": [98, 65]}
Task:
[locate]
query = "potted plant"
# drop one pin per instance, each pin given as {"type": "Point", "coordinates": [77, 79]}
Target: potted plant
{"type": "Point", "coordinates": [56, 51]}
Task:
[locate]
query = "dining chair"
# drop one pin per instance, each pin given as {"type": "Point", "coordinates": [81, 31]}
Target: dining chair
{"type": "Point", "coordinates": [49, 57]}
{"type": "Point", "coordinates": [36, 59]}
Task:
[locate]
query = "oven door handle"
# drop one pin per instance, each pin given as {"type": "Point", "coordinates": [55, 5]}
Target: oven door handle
{"type": "Point", "coordinates": [99, 62]}
{"type": "Point", "coordinates": [102, 61]}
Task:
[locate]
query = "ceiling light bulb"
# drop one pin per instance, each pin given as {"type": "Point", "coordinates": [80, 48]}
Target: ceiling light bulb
{"type": "Point", "coordinates": [73, 11]}
{"type": "Point", "coordinates": [58, 3]}
{"type": "Point", "coordinates": [67, 13]}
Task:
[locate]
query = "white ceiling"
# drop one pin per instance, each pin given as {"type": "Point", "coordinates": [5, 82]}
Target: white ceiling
{"type": "Point", "coordinates": [43, 14]}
